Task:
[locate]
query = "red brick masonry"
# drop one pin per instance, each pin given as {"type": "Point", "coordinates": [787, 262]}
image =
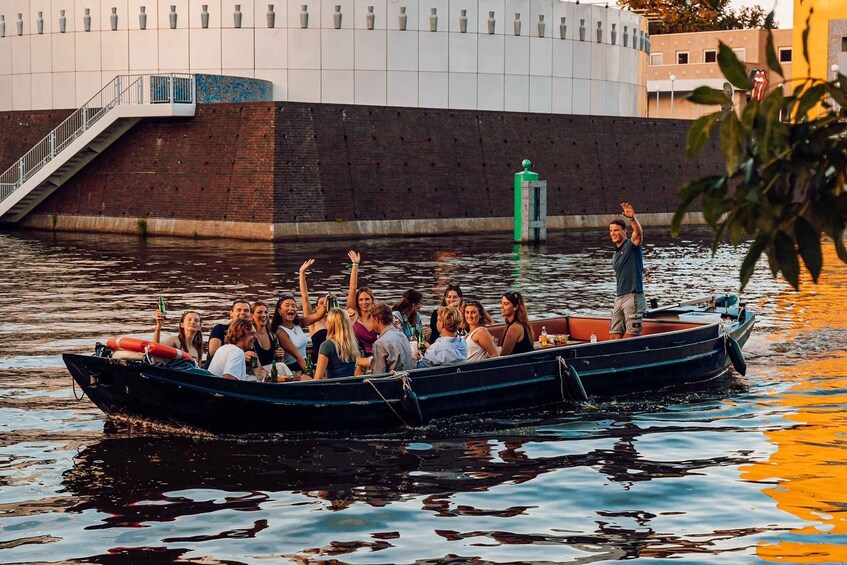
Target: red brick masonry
{"type": "Point", "coordinates": [286, 162]}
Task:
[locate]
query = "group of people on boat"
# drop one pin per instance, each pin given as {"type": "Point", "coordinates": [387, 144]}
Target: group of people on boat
{"type": "Point", "coordinates": [366, 336]}
{"type": "Point", "coordinates": [372, 336]}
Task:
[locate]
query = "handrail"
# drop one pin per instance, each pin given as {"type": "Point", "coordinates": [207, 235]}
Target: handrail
{"type": "Point", "coordinates": [123, 90]}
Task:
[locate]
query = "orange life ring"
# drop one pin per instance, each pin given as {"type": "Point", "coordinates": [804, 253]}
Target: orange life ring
{"type": "Point", "coordinates": [144, 346]}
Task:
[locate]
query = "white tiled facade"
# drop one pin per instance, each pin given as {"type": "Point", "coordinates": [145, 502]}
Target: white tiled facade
{"type": "Point", "coordinates": [460, 65]}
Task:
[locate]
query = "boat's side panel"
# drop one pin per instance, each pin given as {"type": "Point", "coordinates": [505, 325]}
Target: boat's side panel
{"type": "Point", "coordinates": [605, 368]}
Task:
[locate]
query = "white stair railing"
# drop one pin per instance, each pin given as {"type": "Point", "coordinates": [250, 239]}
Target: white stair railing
{"type": "Point", "coordinates": [123, 90]}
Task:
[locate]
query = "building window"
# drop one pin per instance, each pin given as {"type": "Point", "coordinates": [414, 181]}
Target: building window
{"type": "Point", "coordinates": [844, 44]}
{"type": "Point", "coordinates": [657, 59]}
{"type": "Point", "coordinates": [785, 54]}
{"type": "Point", "coordinates": [710, 56]}
{"type": "Point", "coordinates": [741, 53]}
{"type": "Point", "coordinates": [682, 57]}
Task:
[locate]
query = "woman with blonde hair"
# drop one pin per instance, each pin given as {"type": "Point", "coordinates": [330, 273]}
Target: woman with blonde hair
{"type": "Point", "coordinates": [480, 343]}
{"type": "Point", "coordinates": [448, 348]}
{"type": "Point", "coordinates": [338, 354]}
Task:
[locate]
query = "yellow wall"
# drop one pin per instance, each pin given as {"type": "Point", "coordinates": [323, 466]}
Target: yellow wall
{"type": "Point", "coordinates": [822, 12]}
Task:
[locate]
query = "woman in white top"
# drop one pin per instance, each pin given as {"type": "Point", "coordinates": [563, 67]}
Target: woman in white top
{"type": "Point", "coordinates": [289, 329]}
{"type": "Point", "coordinates": [480, 343]}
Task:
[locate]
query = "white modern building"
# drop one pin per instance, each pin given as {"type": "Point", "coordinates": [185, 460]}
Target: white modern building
{"type": "Point", "coordinates": [543, 56]}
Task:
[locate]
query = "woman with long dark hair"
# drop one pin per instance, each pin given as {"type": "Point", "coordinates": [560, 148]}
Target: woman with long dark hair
{"type": "Point", "coordinates": [266, 345]}
{"type": "Point", "coordinates": [407, 313]}
{"type": "Point", "coordinates": [190, 337]}
{"type": "Point", "coordinates": [518, 337]}
{"type": "Point", "coordinates": [289, 328]}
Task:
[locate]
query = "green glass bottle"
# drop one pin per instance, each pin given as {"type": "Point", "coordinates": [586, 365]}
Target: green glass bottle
{"type": "Point", "coordinates": [421, 341]}
{"type": "Point", "coordinates": [310, 368]}
{"type": "Point", "coordinates": [274, 372]}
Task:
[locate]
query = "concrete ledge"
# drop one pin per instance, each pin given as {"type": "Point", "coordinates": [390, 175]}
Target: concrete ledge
{"type": "Point", "coordinates": [323, 230]}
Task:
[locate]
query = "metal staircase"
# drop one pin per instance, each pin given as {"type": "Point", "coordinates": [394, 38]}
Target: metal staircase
{"type": "Point", "coordinates": [88, 132]}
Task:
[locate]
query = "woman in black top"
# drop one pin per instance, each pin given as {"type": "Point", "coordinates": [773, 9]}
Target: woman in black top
{"type": "Point", "coordinates": [518, 337]}
{"type": "Point", "coordinates": [266, 344]}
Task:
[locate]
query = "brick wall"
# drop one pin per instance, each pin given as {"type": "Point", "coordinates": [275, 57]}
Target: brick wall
{"type": "Point", "coordinates": [296, 162]}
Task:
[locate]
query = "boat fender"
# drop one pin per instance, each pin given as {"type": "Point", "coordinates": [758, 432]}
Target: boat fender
{"type": "Point", "coordinates": [146, 347]}
{"type": "Point", "coordinates": [736, 356]}
{"type": "Point", "coordinates": [411, 406]}
{"type": "Point", "coordinates": [575, 384]}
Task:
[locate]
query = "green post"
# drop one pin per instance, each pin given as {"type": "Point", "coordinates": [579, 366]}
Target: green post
{"type": "Point", "coordinates": [524, 176]}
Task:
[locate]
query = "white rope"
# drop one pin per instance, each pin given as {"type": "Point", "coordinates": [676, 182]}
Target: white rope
{"type": "Point", "coordinates": [404, 377]}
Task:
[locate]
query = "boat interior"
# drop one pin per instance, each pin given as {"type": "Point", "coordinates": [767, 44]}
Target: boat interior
{"type": "Point", "coordinates": [578, 329]}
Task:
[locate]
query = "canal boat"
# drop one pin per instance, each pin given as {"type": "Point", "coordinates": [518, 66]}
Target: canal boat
{"type": "Point", "coordinates": [681, 344]}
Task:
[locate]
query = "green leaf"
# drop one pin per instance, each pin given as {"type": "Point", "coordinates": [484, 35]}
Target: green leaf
{"type": "Point", "coordinates": [786, 257]}
{"type": "Point", "coordinates": [752, 257]}
{"type": "Point", "coordinates": [732, 142]}
{"type": "Point", "coordinates": [708, 96]}
{"type": "Point", "coordinates": [773, 60]}
{"type": "Point", "coordinates": [733, 69]}
{"type": "Point", "coordinates": [809, 98]}
{"type": "Point", "coordinates": [699, 132]}
{"type": "Point", "coordinates": [687, 193]}
{"type": "Point", "coordinates": [809, 245]}
{"type": "Point", "coordinates": [806, 31]}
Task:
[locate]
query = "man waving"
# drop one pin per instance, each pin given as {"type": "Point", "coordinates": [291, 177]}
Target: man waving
{"type": "Point", "coordinates": [628, 265]}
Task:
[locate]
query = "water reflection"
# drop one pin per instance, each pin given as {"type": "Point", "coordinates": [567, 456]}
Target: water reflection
{"type": "Point", "coordinates": [749, 469]}
{"type": "Point", "coordinates": [807, 472]}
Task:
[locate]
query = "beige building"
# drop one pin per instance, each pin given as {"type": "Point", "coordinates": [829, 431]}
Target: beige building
{"type": "Point", "coordinates": [681, 62]}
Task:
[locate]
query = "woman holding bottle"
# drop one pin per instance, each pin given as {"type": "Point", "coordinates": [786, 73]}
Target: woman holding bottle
{"type": "Point", "coordinates": [518, 337]}
{"type": "Point", "coordinates": [190, 337]}
{"type": "Point", "coordinates": [480, 342]}
{"type": "Point", "coordinates": [266, 345]}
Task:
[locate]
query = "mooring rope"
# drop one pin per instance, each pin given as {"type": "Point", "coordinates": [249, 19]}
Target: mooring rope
{"type": "Point", "coordinates": [73, 387]}
{"type": "Point", "coordinates": [562, 363]}
{"type": "Point", "coordinates": [404, 377]}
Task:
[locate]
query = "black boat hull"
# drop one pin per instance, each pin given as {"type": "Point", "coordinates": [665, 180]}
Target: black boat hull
{"type": "Point", "coordinates": [604, 369]}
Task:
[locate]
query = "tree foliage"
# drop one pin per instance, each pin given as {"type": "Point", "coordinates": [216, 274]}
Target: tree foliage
{"type": "Point", "coordinates": [681, 16]}
{"type": "Point", "coordinates": [785, 182]}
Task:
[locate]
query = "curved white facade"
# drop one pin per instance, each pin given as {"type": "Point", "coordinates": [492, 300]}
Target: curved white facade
{"type": "Point", "coordinates": [44, 68]}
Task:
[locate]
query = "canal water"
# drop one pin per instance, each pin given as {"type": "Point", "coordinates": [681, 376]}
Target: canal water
{"type": "Point", "coordinates": [749, 469]}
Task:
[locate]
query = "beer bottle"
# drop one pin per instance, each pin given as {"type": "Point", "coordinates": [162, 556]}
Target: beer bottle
{"type": "Point", "coordinates": [421, 341]}
{"type": "Point", "coordinates": [274, 372]}
{"type": "Point", "coordinates": [310, 368]}
{"type": "Point", "coordinates": [544, 339]}
{"type": "Point", "coordinates": [162, 306]}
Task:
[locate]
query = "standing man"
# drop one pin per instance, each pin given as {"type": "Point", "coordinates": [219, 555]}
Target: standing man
{"type": "Point", "coordinates": [630, 303]}
{"type": "Point", "coordinates": [391, 349]}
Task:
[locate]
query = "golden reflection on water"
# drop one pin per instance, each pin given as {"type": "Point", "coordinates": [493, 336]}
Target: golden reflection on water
{"type": "Point", "coordinates": [807, 472]}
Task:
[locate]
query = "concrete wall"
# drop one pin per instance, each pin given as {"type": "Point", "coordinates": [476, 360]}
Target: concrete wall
{"type": "Point", "coordinates": [266, 170]}
{"type": "Point", "coordinates": [351, 65]}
